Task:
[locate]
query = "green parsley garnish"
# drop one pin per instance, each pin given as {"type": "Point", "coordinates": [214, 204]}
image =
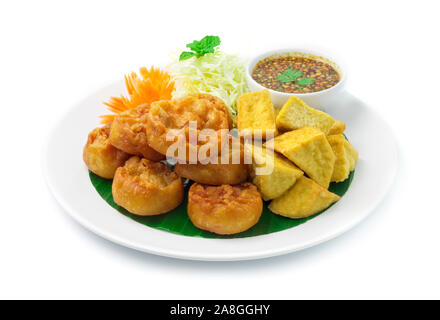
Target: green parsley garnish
{"type": "Point", "coordinates": [305, 81]}
{"type": "Point", "coordinates": [200, 48]}
{"type": "Point", "coordinates": [293, 76]}
{"type": "Point", "coordinates": [186, 55]}
{"type": "Point", "coordinates": [289, 75]}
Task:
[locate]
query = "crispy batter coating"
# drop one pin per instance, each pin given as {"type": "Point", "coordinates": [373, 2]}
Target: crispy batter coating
{"type": "Point", "coordinates": [128, 133]}
{"type": "Point", "coordinates": [208, 111]}
{"type": "Point", "coordinates": [147, 188]}
{"type": "Point", "coordinates": [213, 174]}
{"type": "Point", "coordinates": [224, 209]}
{"type": "Point", "coordinates": [233, 170]}
{"type": "Point", "coordinates": [100, 156]}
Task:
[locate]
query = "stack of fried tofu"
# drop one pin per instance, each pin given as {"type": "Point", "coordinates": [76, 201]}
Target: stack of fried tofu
{"type": "Point", "coordinates": [308, 152]}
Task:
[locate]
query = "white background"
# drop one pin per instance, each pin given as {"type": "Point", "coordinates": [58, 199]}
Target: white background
{"type": "Point", "coordinates": [53, 54]}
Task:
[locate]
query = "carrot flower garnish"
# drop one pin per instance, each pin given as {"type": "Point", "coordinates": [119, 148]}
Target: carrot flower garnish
{"type": "Point", "coordinates": [152, 85]}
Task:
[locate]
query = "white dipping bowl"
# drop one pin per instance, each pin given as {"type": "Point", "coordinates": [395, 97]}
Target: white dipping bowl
{"type": "Point", "coordinates": [319, 99]}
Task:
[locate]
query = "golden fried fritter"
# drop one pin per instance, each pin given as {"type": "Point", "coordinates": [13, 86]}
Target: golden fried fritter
{"type": "Point", "coordinates": [128, 133]}
{"type": "Point", "coordinates": [213, 174]}
{"type": "Point", "coordinates": [224, 209]}
{"type": "Point", "coordinates": [147, 188]}
{"type": "Point", "coordinates": [100, 156]}
{"type": "Point", "coordinates": [165, 117]}
{"type": "Point", "coordinates": [233, 170]}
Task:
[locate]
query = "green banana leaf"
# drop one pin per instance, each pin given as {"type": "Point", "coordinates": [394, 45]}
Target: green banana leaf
{"type": "Point", "coordinates": [177, 221]}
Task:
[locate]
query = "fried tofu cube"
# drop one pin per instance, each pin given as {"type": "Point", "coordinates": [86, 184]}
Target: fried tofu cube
{"type": "Point", "coordinates": [352, 155]}
{"type": "Point", "coordinates": [256, 112]}
{"type": "Point", "coordinates": [346, 157]}
{"type": "Point", "coordinates": [309, 149]}
{"type": "Point", "coordinates": [272, 173]}
{"type": "Point", "coordinates": [296, 114]}
{"type": "Point", "coordinates": [304, 199]}
{"type": "Point", "coordinates": [337, 128]}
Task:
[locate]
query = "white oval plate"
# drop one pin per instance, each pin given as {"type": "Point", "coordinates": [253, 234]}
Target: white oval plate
{"type": "Point", "coordinates": [68, 179]}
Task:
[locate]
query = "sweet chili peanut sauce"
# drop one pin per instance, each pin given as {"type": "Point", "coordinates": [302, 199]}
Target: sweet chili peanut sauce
{"type": "Point", "coordinates": [267, 71]}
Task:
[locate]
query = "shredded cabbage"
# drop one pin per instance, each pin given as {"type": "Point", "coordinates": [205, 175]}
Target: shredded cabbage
{"type": "Point", "coordinates": [220, 74]}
